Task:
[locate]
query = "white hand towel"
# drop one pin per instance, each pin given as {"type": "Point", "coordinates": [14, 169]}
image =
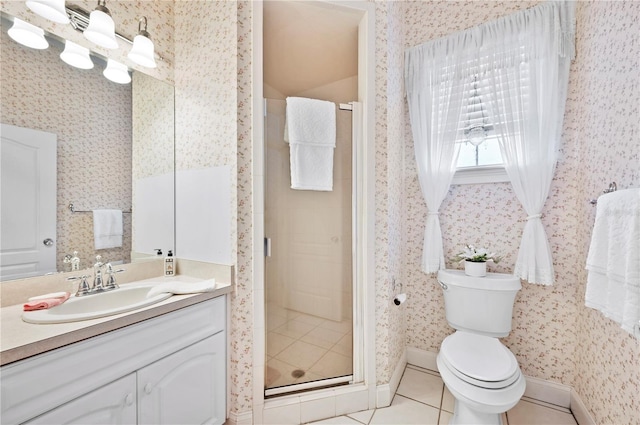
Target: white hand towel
{"type": "Point", "coordinates": [613, 263]}
{"type": "Point", "coordinates": [310, 130]}
{"type": "Point", "coordinates": [183, 288]}
{"type": "Point", "coordinates": [107, 228]}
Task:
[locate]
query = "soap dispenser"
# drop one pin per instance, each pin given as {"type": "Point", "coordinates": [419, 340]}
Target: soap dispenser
{"type": "Point", "coordinates": [169, 265]}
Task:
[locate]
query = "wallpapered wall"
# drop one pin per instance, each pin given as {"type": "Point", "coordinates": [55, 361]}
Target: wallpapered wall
{"type": "Point", "coordinates": [390, 205]}
{"type": "Point", "coordinates": [600, 359]}
{"type": "Point", "coordinates": [91, 117]}
{"type": "Point", "coordinates": [607, 82]}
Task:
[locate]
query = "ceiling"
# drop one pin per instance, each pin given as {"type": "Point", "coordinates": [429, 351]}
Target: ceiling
{"type": "Point", "coordinates": [308, 44]}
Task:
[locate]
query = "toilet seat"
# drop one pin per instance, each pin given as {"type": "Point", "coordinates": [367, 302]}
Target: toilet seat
{"type": "Point", "coordinates": [479, 360]}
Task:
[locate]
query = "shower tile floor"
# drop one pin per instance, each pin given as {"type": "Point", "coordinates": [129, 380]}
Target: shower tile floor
{"type": "Point", "coordinates": [423, 399]}
{"type": "Point", "coordinates": [298, 342]}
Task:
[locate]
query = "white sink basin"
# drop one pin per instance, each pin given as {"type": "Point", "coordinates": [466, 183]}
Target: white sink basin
{"type": "Point", "coordinates": [126, 298]}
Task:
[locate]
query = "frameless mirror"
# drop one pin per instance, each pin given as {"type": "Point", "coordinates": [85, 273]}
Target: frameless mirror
{"type": "Point", "coordinates": [114, 149]}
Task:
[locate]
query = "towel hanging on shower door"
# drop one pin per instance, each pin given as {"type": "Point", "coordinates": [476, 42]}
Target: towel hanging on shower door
{"type": "Point", "coordinates": [310, 130]}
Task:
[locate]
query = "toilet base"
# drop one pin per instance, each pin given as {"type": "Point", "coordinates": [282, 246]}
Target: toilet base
{"type": "Point", "coordinates": [465, 415]}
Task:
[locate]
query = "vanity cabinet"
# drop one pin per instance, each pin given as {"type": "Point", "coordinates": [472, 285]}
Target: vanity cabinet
{"type": "Point", "coordinates": [184, 388]}
{"type": "Point", "coordinates": [167, 370]}
{"type": "Point", "coordinates": [115, 404]}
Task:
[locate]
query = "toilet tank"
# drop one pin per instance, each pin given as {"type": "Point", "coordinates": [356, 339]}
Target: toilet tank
{"type": "Point", "coordinates": [482, 305]}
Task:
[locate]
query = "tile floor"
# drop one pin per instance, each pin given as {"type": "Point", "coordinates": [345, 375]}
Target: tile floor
{"type": "Point", "coordinates": [422, 399]}
{"type": "Point", "coordinates": [300, 342]}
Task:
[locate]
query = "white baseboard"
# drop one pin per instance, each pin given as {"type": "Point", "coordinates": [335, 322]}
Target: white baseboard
{"type": "Point", "coordinates": [422, 358]}
{"type": "Point", "coordinates": [242, 418]}
{"type": "Point", "coordinates": [537, 389]}
{"type": "Point", "coordinates": [385, 392]}
{"type": "Point", "coordinates": [549, 392]}
{"type": "Point", "coordinates": [580, 411]}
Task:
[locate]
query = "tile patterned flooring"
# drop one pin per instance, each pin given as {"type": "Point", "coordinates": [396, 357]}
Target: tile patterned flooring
{"type": "Point", "coordinates": [422, 399]}
{"type": "Point", "coordinates": [296, 341]}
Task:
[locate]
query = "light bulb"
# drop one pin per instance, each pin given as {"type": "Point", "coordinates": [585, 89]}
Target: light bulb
{"type": "Point", "coordinates": [76, 55]}
{"type": "Point", "coordinates": [101, 29]}
{"type": "Point", "coordinates": [117, 72]}
{"type": "Point", "coordinates": [52, 10]}
{"type": "Point", "coordinates": [27, 34]}
{"type": "Point", "coordinates": [142, 51]}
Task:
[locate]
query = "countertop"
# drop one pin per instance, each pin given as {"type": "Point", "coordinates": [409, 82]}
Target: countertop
{"type": "Point", "coordinates": [19, 340]}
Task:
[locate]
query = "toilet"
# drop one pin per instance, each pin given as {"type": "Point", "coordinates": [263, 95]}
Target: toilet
{"type": "Point", "coordinates": [482, 374]}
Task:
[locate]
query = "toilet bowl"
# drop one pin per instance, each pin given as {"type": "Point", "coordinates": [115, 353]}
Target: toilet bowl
{"type": "Point", "coordinates": [480, 372]}
{"type": "Point", "coordinates": [482, 375]}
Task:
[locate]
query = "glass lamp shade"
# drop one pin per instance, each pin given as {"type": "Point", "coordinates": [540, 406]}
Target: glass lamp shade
{"type": "Point", "coordinates": [476, 135]}
{"type": "Point", "coordinates": [142, 51]}
{"type": "Point", "coordinates": [101, 30]}
{"type": "Point", "coordinates": [76, 55]}
{"type": "Point", "coordinates": [28, 35]}
{"type": "Point", "coordinates": [52, 10]}
{"type": "Point", "coordinates": [116, 72]}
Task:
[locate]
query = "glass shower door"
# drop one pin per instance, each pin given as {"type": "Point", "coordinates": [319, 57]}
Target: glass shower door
{"type": "Point", "coordinates": [308, 275]}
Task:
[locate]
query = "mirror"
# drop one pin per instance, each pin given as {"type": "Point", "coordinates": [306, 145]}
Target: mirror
{"type": "Point", "coordinates": [115, 150]}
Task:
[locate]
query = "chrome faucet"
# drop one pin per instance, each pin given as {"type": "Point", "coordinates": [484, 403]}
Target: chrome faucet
{"type": "Point", "coordinates": [84, 288]}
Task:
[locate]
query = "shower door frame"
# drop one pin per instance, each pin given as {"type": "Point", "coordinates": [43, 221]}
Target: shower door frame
{"type": "Point", "coordinates": [363, 388]}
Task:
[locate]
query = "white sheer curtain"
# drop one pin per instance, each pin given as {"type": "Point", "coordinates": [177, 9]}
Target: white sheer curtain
{"type": "Point", "coordinates": [527, 100]}
{"type": "Point", "coordinates": [435, 106]}
{"type": "Point", "coordinates": [522, 61]}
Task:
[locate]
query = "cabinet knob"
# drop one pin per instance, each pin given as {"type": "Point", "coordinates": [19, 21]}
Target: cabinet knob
{"type": "Point", "coordinates": [128, 400]}
{"type": "Point", "coordinates": [148, 388]}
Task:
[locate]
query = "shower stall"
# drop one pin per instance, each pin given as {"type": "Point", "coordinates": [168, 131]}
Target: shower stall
{"type": "Point", "coordinates": [309, 263]}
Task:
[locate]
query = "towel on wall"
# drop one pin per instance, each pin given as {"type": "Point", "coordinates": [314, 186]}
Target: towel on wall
{"type": "Point", "coordinates": [613, 263]}
{"type": "Point", "coordinates": [107, 228]}
{"type": "Point", "coordinates": [310, 130]}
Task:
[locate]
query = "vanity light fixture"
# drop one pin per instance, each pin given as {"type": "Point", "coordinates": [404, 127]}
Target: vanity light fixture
{"type": "Point", "coordinates": [142, 51]}
{"type": "Point", "coordinates": [76, 55]}
{"type": "Point", "coordinates": [116, 72]}
{"type": "Point", "coordinates": [53, 10]}
{"type": "Point", "coordinates": [101, 29]}
{"type": "Point", "coordinates": [28, 34]}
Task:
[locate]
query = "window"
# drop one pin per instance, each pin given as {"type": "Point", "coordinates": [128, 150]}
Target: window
{"type": "Point", "coordinates": [480, 159]}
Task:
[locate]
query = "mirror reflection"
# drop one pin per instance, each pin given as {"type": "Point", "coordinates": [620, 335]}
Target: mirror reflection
{"type": "Point", "coordinates": [70, 136]}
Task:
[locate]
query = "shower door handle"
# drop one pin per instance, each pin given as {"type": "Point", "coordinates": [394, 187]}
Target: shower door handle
{"type": "Point", "coordinates": [267, 247]}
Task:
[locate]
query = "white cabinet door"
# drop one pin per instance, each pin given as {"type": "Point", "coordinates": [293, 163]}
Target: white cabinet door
{"type": "Point", "coordinates": [115, 403]}
{"type": "Point", "coordinates": [187, 387]}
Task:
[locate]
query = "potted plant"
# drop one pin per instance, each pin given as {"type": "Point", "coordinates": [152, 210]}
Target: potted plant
{"type": "Point", "coordinates": [475, 260]}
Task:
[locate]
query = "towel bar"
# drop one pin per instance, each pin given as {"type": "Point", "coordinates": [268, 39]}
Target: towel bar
{"type": "Point", "coordinates": [612, 188]}
{"type": "Point", "coordinates": [74, 210]}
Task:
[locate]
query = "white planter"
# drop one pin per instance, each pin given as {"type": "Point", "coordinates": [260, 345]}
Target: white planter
{"type": "Point", "coordinates": [475, 269]}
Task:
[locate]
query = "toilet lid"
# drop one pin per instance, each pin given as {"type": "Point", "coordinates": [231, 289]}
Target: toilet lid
{"type": "Point", "coordinates": [481, 358]}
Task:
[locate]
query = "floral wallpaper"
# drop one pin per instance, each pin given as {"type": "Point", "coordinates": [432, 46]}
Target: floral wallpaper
{"type": "Point", "coordinates": [389, 143]}
{"type": "Point", "coordinates": [607, 80]}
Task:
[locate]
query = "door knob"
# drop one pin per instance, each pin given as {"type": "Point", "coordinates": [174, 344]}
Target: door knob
{"type": "Point", "coordinates": [48, 242]}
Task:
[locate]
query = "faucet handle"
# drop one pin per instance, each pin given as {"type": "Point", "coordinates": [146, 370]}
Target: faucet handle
{"type": "Point", "coordinates": [83, 287]}
{"type": "Point", "coordinates": [99, 262]}
{"type": "Point", "coordinates": [97, 281]}
{"type": "Point", "coordinates": [111, 277]}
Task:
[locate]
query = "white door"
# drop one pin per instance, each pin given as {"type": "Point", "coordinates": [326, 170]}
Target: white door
{"type": "Point", "coordinates": [113, 404]}
{"type": "Point", "coordinates": [27, 203]}
{"type": "Point", "coordinates": [187, 387]}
